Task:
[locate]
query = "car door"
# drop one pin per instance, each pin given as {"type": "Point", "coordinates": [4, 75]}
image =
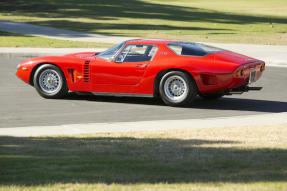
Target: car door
{"type": "Point", "coordinates": [127, 68]}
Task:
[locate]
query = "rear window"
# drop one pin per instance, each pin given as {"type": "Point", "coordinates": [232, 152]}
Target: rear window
{"type": "Point", "coordinates": [192, 49]}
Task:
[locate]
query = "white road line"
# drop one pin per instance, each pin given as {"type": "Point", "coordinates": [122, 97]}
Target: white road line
{"type": "Point", "coordinates": [72, 129]}
{"type": "Point", "coordinates": [55, 33]}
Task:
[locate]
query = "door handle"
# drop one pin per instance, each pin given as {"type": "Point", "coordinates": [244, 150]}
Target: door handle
{"type": "Point", "coordinates": [141, 65]}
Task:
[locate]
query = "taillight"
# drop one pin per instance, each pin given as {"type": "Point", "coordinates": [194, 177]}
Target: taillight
{"type": "Point", "coordinates": [242, 71]}
{"type": "Point", "coordinates": [239, 72]}
{"type": "Point", "coordinates": [262, 68]}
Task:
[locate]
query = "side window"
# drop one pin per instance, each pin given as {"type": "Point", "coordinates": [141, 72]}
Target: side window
{"type": "Point", "coordinates": [176, 48]}
{"type": "Point", "coordinates": [187, 49]}
{"type": "Point", "coordinates": [137, 53]}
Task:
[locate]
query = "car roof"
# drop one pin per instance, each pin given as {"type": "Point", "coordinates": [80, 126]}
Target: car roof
{"type": "Point", "coordinates": [150, 41]}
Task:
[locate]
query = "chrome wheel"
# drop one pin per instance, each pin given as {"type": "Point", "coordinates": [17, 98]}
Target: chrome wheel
{"type": "Point", "coordinates": [175, 88]}
{"type": "Point", "coordinates": [50, 81]}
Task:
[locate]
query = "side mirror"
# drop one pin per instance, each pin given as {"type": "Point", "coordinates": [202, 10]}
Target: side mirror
{"type": "Point", "coordinates": [119, 59]}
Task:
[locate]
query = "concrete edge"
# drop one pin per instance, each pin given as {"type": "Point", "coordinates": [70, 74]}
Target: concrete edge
{"type": "Point", "coordinates": [74, 129]}
{"type": "Point", "coordinates": [45, 51]}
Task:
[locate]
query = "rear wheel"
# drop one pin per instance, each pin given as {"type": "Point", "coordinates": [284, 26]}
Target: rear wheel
{"type": "Point", "coordinates": [177, 88]}
{"type": "Point", "coordinates": [50, 82]}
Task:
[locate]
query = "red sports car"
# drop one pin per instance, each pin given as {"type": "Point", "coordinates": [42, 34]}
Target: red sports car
{"type": "Point", "coordinates": [176, 71]}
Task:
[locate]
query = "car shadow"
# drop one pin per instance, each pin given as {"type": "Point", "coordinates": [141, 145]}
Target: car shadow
{"type": "Point", "coordinates": [114, 99]}
{"type": "Point", "coordinates": [242, 104]}
{"type": "Point", "coordinates": [225, 103]}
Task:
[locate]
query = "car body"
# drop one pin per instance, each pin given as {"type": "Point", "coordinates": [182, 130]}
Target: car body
{"type": "Point", "coordinates": [136, 68]}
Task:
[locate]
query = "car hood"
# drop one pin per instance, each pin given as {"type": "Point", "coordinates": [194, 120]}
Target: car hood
{"type": "Point", "coordinates": [233, 58]}
{"type": "Point", "coordinates": [83, 55]}
{"type": "Point", "coordinates": [55, 59]}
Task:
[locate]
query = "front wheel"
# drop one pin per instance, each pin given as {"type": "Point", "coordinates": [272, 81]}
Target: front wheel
{"type": "Point", "coordinates": [50, 82]}
{"type": "Point", "coordinates": [177, 88]}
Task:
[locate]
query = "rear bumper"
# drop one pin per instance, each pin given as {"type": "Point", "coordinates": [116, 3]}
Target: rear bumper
{"type": "Point", "coordinates": [238, 78]}
{"type": "Point", "coordinates": [241, 90]}
{"type": "Point", "coordinates": [247, 74]}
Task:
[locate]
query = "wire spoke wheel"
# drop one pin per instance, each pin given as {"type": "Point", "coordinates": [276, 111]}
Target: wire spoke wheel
{"type": "Point", "coordinates": [175, 88]}
{"type": "Point", "coordinates": [50, 81]}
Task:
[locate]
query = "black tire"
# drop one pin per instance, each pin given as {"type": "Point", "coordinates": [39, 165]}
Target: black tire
{"type": "Point", "coordinates": [166, 91]}
{"type": "Point", "coordinates": [60, 83]}
{"type": "Point", "coordinates": [212, 96]}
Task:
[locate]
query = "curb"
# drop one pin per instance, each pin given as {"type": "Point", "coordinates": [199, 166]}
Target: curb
{"type": "Point", "coordinates": [73, 129]}
{"type": "Point", "coordinates": [45, 51]}
{"type": "Point", "coordinates": [55, 33]}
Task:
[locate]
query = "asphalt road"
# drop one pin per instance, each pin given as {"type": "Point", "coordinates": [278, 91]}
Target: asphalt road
{"type": "Point", "coordinates": [20, 105]}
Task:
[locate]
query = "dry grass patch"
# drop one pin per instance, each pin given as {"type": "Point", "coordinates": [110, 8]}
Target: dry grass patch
{"type": "Point", "coordinates": [234, 158]}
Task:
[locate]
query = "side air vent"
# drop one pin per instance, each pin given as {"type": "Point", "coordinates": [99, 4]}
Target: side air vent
{"type": "Point", "coordinates": [71, 73]}
{"type": "Point", "coordinates": [86, 71]}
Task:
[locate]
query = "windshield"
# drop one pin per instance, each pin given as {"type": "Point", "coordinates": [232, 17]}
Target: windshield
{"type": "Point", "coordinates": [191, 49]}
{"type": "Point", "coordinates": [111, 53]}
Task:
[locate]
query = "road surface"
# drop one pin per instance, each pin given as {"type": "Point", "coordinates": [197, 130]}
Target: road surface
{"type": "Point", "coordinates": [21, 106]}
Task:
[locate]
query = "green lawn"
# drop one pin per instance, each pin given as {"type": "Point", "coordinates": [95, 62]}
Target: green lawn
{"type": "Point", "coordinates": [234, 158]}
{"type": "Point", "coordinates": [236, 21]}
{"type": "Point", "coordinates": [16, 40]}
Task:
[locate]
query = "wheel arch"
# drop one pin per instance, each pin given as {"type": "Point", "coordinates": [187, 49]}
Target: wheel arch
{"type": "Point", "coordinates": [31, 81]}
{"type": "Point", "coordinates": [162, 73]}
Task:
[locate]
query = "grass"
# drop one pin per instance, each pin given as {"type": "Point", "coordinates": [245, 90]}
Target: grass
{"type": "Point", "coordinates": [236, 21]}
{"type": "Point", "coordinates": [235, 158]}
{"type": "Point", "coordinates": [17, 40]}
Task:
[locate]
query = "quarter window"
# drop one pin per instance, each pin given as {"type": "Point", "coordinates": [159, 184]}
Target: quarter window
{"type": "Point", "coordinates": [191, 49]}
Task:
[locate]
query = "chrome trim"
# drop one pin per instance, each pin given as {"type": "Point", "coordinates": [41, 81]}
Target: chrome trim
{"type": "Point", "coordinates": [122, 94]}
{"type": "Point", "coordinates": [154, 53]}
{"type": "Point", "coordinates": [252, 76]}
{"type": "Point", "coordinates": [124, 56]}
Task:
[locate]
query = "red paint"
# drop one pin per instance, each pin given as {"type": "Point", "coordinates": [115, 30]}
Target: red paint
{"type": "Point", "coordinates": [213, 72]}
